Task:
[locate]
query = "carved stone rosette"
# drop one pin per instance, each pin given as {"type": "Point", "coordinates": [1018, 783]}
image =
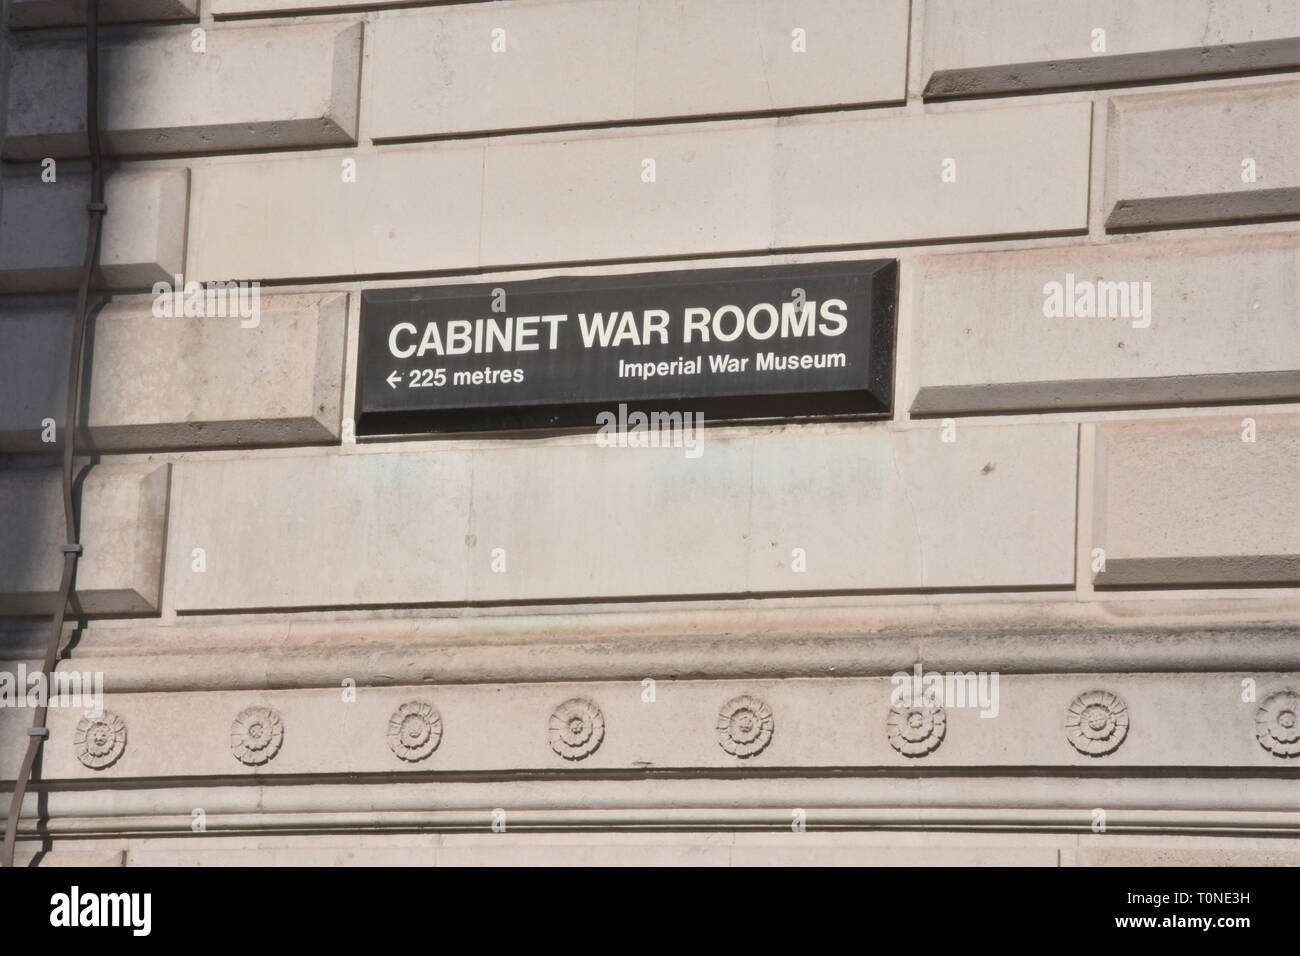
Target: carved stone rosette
{"type": "Point", "coordinates": [916, 731]}
{"type": "Point", "coordinates": [1096, 723]}
{"type": "Point", "coordinates": [745, 726]}
{"type": "Point", "coordinates": [576, 728]}
{"type": "Point", "coordinates": [414, 730]}
{"type": "Point", "coordinates": [1277, 724]}
{"type": "Point", "coordinates": [100, 741]}
{"type": "Point", "coordinates": [256, 735]}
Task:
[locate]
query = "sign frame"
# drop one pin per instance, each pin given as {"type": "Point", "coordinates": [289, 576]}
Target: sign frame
{"type": "Point", "coordinates": [382, 308]}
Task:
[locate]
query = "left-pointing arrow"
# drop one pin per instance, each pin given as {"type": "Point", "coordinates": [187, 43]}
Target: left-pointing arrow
{"type": "Point", "coordinates": [394, 379]}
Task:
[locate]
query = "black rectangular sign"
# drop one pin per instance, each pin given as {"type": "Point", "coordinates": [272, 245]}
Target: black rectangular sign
{"type": "Point", "coordinates": [763, 342]}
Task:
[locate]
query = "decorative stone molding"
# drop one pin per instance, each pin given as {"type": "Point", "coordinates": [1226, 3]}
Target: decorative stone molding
{"type": "Point", "coordinates": [414, 730]}
{"type": "Point", "coordinates": [1096, 723]}
{"type": "Point", "coordinates": [745, 726]}
{"type": "Point", "coordinates": [576, 728]}
{"type": "Point", "coordinates": [916, 731]}
{"type": "Point", "coordinates": [100, 741]}
{"type": "Point", "coordinates": [256, 735]}
{"type": "Point", "coordinates": [1277, 724]}
{"type": "Point", "coordinates": [476, 651]}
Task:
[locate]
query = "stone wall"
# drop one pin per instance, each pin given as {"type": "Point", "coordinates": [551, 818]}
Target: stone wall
{"type": "Point", "coordinates": [1098, 502]}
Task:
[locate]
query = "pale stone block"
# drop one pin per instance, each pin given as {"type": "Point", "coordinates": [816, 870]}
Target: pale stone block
{"type": "Point", "coordinates": [254, 88]}
{"type": "Point", "coordinates": [410, 210]}
{"type": "Point", "coordinates": [876, 509]}
{"type": "Point", "coordinates": [1176, 159]}
{"type": "Point", "coordinates": [594, 522]}
{"type": "Point", "coordinates": [743, 186]}
{"type": "Point", "coordinates": [986, 47]}
{"type": "Point", "coordinates": [123, 511]}
{"type": "Point", "coordinates": [584, 197]}
{"type": "Point", "coordinates": [802, 852]}
{"type": "Point", "coordinates": [749, 185]}
{"type": "Point", "coordinates": [1283, 855]}
{"type": "Point", "coordinates": [1189, 502]}
{"type": "Point", "coordinates": [225, 9]}
{"type": "Point", "coordinates": [178, 382]}
{"type": "Point", "coordinates": [598, 853]}
{"type": "Point", "coordinates": [1220, 326]}
{"type": "Point", "coordinates": [739, 55]}
{"type": "Point", "coordinates": [380, 530]}
{"type": "Point", "coordinates": [437, 73]}
{"type": "Point", "coordinates": [95, 857]}
{"type": "Point", "coordinates": [812, 181]}
{"type": "Point", "coordinates": [849, 179]}
{"type": "Point", "coordinates": [871, 509]}
{"type": "Point", "coordinates": [24, 14]}
{"type": "Point", "coordinates": [43, 230]}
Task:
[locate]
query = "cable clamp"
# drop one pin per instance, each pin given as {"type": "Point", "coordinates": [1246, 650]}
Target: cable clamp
{"type": "Point", "coordinates": [96, 207]}
{"type": "Point", "coordinates": [38, 731]}
{"type": "Point", "coordinates": [70, 548]}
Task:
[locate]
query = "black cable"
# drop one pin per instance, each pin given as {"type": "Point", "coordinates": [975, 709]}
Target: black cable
{"type": "Point", "coordinates": [76, 363]}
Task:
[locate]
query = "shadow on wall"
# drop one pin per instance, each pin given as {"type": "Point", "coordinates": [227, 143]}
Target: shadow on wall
{"type": "Point", "coordinates": [31, 533]}
{"type": "Point", "coordinates": [32, 522]}
{"type": "Point", "coordinates": [32, 519]}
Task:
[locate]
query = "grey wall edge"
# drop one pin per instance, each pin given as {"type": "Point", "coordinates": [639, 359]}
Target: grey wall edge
{"type": "Point", "coordinates": [72, 13]}
{"type": "Point", "coordinates": [97, 603]}
{"type": "Point", "coordinates": [1083, 394]}
{"type": "Point", "coordinates": [1256, 205]}
{"type": "Point", "coordinates": [272, 8]}
{"type": "Point", "coordinates": [316, 131]}
{"type": "Point", "coordinates": [1259, 56]}
{"type": "Point", "coordinates": [406, 654]}
{"type": "Point", "coordinates": [1055, 802]}
{"type": "Point", "coordinates": [1266, 570]}
{"type": "Point", "coordinates": [177, 436]}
